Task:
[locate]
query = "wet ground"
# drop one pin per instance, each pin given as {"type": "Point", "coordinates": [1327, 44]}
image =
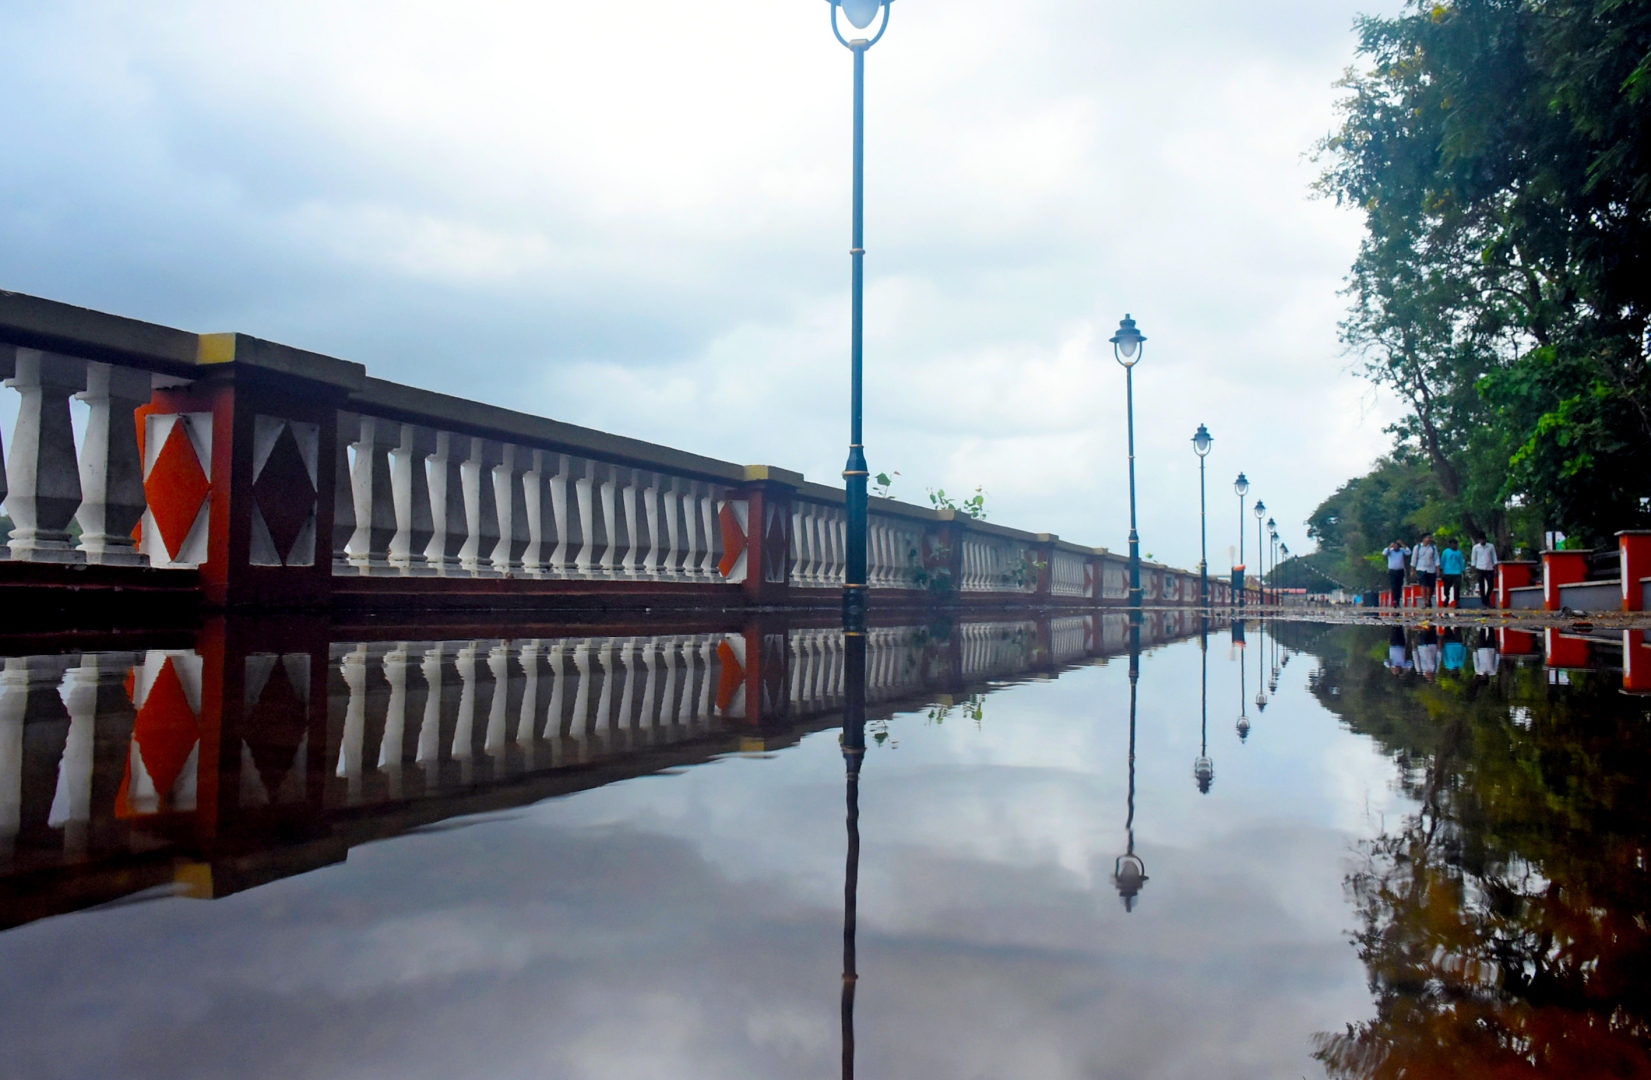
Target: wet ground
{"type": "Point", "coordinates": [1266, 851]}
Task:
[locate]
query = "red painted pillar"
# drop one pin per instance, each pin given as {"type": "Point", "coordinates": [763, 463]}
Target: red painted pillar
{"type": "Point", "coordinates": [1567, 651]}
{"type": "Point", "coordinates": [769, 493]}
{"type": "Point", "coordinates": [1635, 545]}
{"type": "Point", "coordinates": [1636, 663]}
{"type": "Point", "coordinates": [1510, 576]}
{"type": "Point", "coordinates": [239, 472]}
{"type": "Point", "coordinates": [1561, 568]}
{"type": "Point", "coordinates": [1516, 642]}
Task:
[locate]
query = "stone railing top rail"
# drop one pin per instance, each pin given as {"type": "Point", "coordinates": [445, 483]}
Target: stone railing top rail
{"type": "Point", "coordinates": [34, 322]}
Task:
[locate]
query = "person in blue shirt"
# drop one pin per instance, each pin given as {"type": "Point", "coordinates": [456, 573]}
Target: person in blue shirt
{"type": "Point", "coordinates": [1456, 652]}
{"type": "Point", "coordinates": [1452, 564]}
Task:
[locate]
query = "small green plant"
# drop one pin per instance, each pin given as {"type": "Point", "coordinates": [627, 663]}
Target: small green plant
{"type": "Point", "coordinates": [973, 507]}
{"type": "Point", "coordinates": [881, 483]}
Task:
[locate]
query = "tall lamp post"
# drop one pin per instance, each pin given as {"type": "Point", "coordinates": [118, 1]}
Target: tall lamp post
{"type": "Point", "coordinates": [860, 14]}
{"type": "Point", "coordinates": [1261, 578]}
{"type": "Point", "coordinates": [1242, 486]}
{"type": "Point", "coordinates": [1272, 537]}
{"type": "Point", "coordinates": [1201, 441]}
{"type": "Point", "coordinates": [1284, 556]}
{"type": "Point", "coordinates": [1126, 346]}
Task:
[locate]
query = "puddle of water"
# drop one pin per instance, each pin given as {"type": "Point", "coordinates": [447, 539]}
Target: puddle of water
{"type": "Point", "coordinates": [1420, 857]}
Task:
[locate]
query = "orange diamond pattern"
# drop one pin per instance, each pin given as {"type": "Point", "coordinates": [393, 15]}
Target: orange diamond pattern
{"type": "Point", "coordinates": [176, 487]}
{"type": "Point", "coordinates": [166, 730]}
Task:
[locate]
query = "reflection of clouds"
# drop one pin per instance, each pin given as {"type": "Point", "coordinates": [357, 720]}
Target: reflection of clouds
{"type": "Point", "coordinates": [689, 925]}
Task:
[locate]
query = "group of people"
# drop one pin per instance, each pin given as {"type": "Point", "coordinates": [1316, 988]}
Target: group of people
{"type": "Point", "coordinates": [1434, 566]}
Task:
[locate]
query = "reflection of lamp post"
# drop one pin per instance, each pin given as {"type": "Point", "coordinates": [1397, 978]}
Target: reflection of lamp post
{"type": "Point", "coordinates": [1203, 769]}
{"type": "Point", "coordinates": [1129, 873]}
{"type": "Point", "coordinates": [1243, 682]}
{"type": "Point", "coordinates": [854, 753]}
{"type": "Point", "coordinates": [1260, 678]}
{"type": "Point", "coordinates": [1126, 346]}
{"type": "Point", "coordinates": [1201, 441]}
{"type": "Point", "coordinates": [859, 13]}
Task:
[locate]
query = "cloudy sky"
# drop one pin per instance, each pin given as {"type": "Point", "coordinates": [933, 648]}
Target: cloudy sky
{"type": "Point", "coordinates": [634, 216]}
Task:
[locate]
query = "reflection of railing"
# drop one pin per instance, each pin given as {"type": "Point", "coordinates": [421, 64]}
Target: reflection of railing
{"type": "Point", "coordinates": [279, 477]}
{"type": "Point", "coordinates": [114, 765]}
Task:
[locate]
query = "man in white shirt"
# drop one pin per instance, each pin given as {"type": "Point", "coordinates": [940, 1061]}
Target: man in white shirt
{"type": "Point", "coordinates": [1427, 567]}
{"type": "Point", "coordinates": [1396, 553]}
{"type": "Point", "coordinates": [1483, 561]}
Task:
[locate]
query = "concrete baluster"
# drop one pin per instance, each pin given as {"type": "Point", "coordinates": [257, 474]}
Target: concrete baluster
{"type": "Point", "coordinates": [631, 512]}
{"type": "Point", "coordinates": [651, 490]}
{"type": "Point", "coordinates": [393, 746]}
{"type": "Point", "coordinates": [541, 522]}
{"type": "Point", "coordinates": [450, 524]}
{"type": "Point", "coordinates": [111, 470]}
{"type": "Point", "coordinates": [593, 522]}
{"type": "Point", "coordinates": [373, 496]}
{"type": "Point", "coordinates": [498, 666]}
{"type": "Point", "coordinates": [613, 478]}
{"type": "Point", "coordinates": [555, 663]}
{"type": "Point", "coordinates": [711, 508]}
{"type": "Point", "coordinates": [42, 477]}
{"type": "Point", "coordinates": [623, 719]}
{"type": "Point", "coordinates": [481, 507]}
{"type": "Point", "coordinates": [527, 714]}
{"type": "Point", "coordinates": [464, 732]}
{"type": "Point", "coordinates": [428, 752]}
{"type": "Point", "coordinates": [611, 672]}
{"type": "Point", "coordinates": [343, 503]}
{"type": "Point", "coordinates": [72, 802]}
{"type": "Point", "coordinates": [352, 744]}
{"type": "Point", "coordinates": [415, 517]}
{"type": "Point", "coordinates": [694, 543]}
{"type": "Point", "coordinates": [514, 532]}
{"type": "Point", "coordinates": [578, 728]}
{"type": "Point", "coordinates": [15, 682]}
{"type": "Point", "coordinates": [564, 508]}
{"type": "Point", "coordinates": [670, 536]}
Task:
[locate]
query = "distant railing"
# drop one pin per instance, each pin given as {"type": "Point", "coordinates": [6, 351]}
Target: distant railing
{"type": "Point", "coordinates": [287, 478]}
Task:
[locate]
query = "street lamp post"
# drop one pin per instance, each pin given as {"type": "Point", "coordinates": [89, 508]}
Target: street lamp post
{"type": "Point", "coordinates": [1272, 534]}
{"type": "Point", "coordinates": [860, 14]}
{"type": "Point", "coordinates": [1201, 441]}
{"type": "Point", "coordinates": [1126, 347]}
{"type": "Point", "coordinates": [1261, 578]}
{"type": "Point", "coordinates": [1242, 486]}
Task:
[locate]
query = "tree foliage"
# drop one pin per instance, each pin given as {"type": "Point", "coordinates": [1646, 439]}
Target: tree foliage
{"type": "Point", "coordinates": [1498, 150]}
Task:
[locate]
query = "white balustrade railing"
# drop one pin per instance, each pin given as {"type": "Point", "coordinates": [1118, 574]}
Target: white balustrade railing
{"type": "Point", "coordinates": [50, 484]}
{"type": "Point", "coordinates": [1068, 574]}
{"type": "Point", "coordinates": [425, 501]}
{"type": "Point", "coordinates": [997, 564]}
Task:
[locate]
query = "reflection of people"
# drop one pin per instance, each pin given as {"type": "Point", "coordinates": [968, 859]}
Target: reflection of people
{"type": "Point", "coordinates": [1485, 659]}
{"type": "Point", "coordinates": [1451, 564]}
{"type": "Point", "coordinates": [1455, 653]}
{"type": "Point", "coordinates": [1426, 563]}
{"type": "Point", "coordinates": [1397, 660]}
{"type": "Point", "coordinates": [1427, 652]}
{"type": "Point", "coordinates": [1396, 553]}
{"type": "Point", "coordinates": [1483, 558]}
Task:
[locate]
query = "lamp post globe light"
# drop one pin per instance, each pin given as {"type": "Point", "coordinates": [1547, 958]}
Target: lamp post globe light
{"type": "Point", "coordinates": [1242, 486]}
{"type": "Point", "coordinates": [860, 14]}
{"type": "Point", "coordinates": [1126, 347]}
{"type": "Point", "coordinates": [1201, 441]}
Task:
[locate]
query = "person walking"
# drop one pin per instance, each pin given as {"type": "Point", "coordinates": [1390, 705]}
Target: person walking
{"type": "Point", "coordinates": [1483, 558]}
{"type": "Point", "coordinates": [1427, 566]}
{"type": "Point", "coordinates": [1452, 563]}
{"type": "Point", "coordinates": [1396, 554]}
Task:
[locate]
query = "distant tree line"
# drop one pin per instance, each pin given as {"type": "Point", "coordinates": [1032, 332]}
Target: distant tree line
{"type": "Point", "coordinates": [1500, 152]}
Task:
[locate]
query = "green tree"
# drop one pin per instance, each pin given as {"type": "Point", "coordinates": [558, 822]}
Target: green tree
{"type": "Point", "coordinates": [1498, 151]}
